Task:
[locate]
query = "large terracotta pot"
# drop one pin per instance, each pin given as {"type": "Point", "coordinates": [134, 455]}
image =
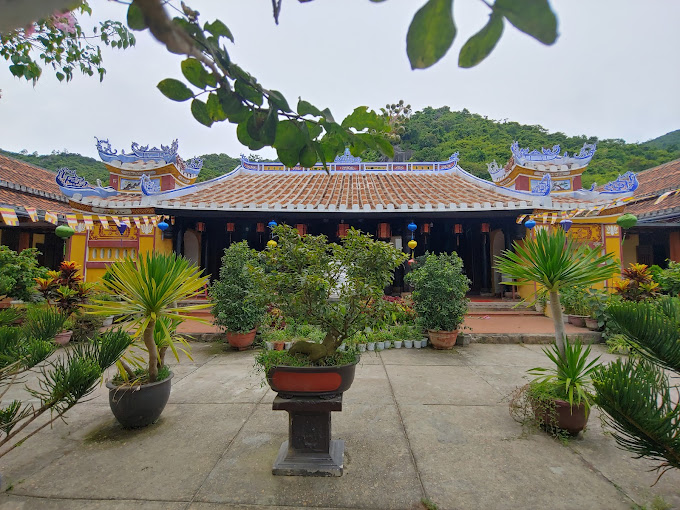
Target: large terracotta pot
{"type": "Point", "coordinates": [578, 320]}
{"type": "Point", "coordinates": [442, 339]}
{"type": "Point", "coordinates": [241, 341]}
{"type": "Point", "coordinates": [573, 419]}
{"type": "Point", "coordinates": [139, 406]}
{"type": "Point", "coordinates": [311, 381]}
{"type": "Point", "coordinates": [592, 324]}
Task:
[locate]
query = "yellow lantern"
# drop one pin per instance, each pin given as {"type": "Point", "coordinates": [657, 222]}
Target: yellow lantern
{"type": "Point", "coordinates": [271, 244]}
{"type": "Point", "coordinates": [412, 244]}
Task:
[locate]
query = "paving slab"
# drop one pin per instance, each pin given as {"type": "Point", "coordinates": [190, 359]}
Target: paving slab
{"type": "Point", "coordinates": [427, 356]}
{"type": "Point", "coordinates": [13, 502]}
{"type": "Point", "coordinates": [220, 384]}
{"type": "Point", "coordinates": [378, 473]}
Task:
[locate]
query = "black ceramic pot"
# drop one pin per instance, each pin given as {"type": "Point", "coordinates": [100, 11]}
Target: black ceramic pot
{"type": "Point", "coordinates": [140, 405]}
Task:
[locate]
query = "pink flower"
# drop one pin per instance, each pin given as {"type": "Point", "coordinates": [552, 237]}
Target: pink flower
{"type": "Point", "coordinates": [29, 30]}
{"type": "Point", "coordinates": [65, 21]}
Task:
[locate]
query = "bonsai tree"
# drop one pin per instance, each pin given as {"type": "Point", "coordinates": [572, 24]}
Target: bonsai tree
{"type": "Point", "coordinates": [439, 288]}
{"type": "Point", "coordinates": [639, 402]}
{"type": "Point", "coordinates": [17, 273]}
{"type": "Point", "coordinates": [327, 284]}
{"type": "Point", "coordinates": [149, 289]}
{"type": "Point", "coordinates": [239, 303]}
{"type": "Point", "coordinates": [555, 261]}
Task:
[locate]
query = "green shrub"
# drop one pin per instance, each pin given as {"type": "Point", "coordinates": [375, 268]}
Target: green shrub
{"type": "Point", "coordinates": [669, 279]}
{"type": "Point", "coordinates": [17, 273]}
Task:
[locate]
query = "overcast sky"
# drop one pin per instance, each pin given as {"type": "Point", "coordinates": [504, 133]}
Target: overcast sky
{"type": "Point", "coordinates": [613, 73]}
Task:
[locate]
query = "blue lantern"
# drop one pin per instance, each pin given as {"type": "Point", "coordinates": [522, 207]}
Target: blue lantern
{"type": "Point", "coordinates": [566, 224]}
{"type": "Point", "coordinates": [272, 224]}
{"type": "Point", "coordinates": [530, 224]}
{"type": "Point", "coordinates": [163, 226]}
{"type": "Point", "coordinates": [122, 227]}
{"type": "Point", "coordinates": [412, 227]}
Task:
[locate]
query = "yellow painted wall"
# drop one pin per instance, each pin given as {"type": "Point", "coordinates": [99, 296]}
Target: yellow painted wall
{"type": "Point", "coordinates": [76, 251]}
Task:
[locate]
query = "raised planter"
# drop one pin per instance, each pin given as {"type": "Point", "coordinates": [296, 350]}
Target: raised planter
{"type": "Point", "coordinates": [311, 381]}
{"type": "Point", "coordinates": [241, 341]}
{"type": "Point", "coordinates": [139, 405]}
{"type": "Point", "coordinates": [573, 419]}
{"type": "Point", "coordinates": [442, 339]}
{"type": "Point", "coordinates": [64, 337]}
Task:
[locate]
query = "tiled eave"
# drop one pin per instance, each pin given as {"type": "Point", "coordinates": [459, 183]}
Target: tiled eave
{"type": "Point", "coordinates": [33, 191]}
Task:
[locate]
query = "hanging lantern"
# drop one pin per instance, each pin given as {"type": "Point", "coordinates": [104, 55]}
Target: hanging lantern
{"type": "Point", "coordinates": [627, 221]}
{"type": "Point", "coordinates": [566, 224]}
{"type": "Point", "coordinates": [271, 244]}
{"type": "Point", "coordinates": [412, 227]}
{"type": "Point", "coordinates": [163, 225]}
{"type": "Point", "coordinates": [342, 230]}
{"type": "Point", "coordinates": [530, 223]}
{"type": "Point", "coordinates": [122, 228]}
{"type": "Point", "coordinates": [384, 231]}
{"type": "Point", "coordinates": [260, 228]}
{"type": "Point", "coordinates": [231, 227]}
{"type": "Point", "coordinates": [412, 244]}
{"type": "Point", "coordinates": [302, 229]}
{"type": "Point", "coordinates": [64, 231]}
{"type": "Point", "coordinates": [425, 228]}
{"type": "Point", "coordinates": [486, 227]}
{"type": "Point", "coordinates": [272, 224]}
{"type": "Point", "coordinates": [200, 227]}
{"type": "Point", "coordinates": [458, 228]}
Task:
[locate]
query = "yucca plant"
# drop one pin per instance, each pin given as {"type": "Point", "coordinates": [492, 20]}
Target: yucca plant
{"type": "Point", "coordinates": [149, 289]}
{"type": "Point", "coordinates": [555, 261]}
{"type": "Point", "coordinates": [571, 374]}
{"type": "Point", "coordinates": [639, 402]}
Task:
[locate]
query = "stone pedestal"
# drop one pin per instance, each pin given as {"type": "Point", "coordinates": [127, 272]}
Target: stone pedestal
{"type": "Point", "coordinates": [309, 450]}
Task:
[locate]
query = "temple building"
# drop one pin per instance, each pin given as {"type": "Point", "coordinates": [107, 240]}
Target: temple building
{"type": "Point", "coordinates": [452, 209]}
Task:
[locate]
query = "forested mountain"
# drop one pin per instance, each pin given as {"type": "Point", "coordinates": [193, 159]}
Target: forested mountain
{"type": "Point", "coordinates": [669, 141]}
{"type": "Point", "coordinates": [433, 134]}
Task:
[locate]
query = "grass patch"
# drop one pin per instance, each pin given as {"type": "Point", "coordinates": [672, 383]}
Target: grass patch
{"type": "Point", "coordinates": [141, 376]}
{"type": "Point", "coordinates": [265, 360]}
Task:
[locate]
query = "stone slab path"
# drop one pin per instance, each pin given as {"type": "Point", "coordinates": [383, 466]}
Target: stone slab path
{"type": "Point", "coordinates": [417, 424]}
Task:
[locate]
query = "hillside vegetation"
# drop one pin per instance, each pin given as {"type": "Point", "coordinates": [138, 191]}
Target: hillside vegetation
{"type": "Point", "coordinates": [433, 134]}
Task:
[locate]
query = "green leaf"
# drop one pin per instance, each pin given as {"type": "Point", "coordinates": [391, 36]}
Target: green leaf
{"type": "Point", "coordinates": [533, 17]}
{"type": "Point", "coordinates": [215, 108]}
{"type": "Point", "coordinates": [361, 118]}
{"type": "Point", "coordinates": [384, 146]}
{"type": "Point", "coordinates": [60, 76]}
{"type": "Point", "coordinates": [327, 115]}
{"type": "Point", "coordinates": [313, 129]}
{"type": "Point", "coordinates": [277, 99]}
{"type": "Point", "coordinates": [269, 128]}
{"type": "Point", "coordinates": [245, 138]}
{"type": "Point", "coordinates": [289, 136]}
{"type": "Point", "coordinates": [200, 112]}
{"type": "Point", "coordinates": [431, 33]}
{"type": "Point", "coordinates": [255, 124]}
{"type": "Point", "coordinates": [480, 45]}
{"type": "Point", "coordinates": [288, 157]}
{"type": "Point", "coordinates": [248, 92]}
{"type": "Point", "coordinates": [175, 90]}
{"type": "Point", "coordinates": [232, 106]}
{"type": "Point", "coordinates": [194, 72]}
{"type": "Point", "coordinates": [135, 17]}
{"type": "Point", "coordinates": [217, 28]}
{"type": "Point", "coordinates": [308, 156]}
{"type": "Point", "coordinates": [17, 70]}
{"type": "Point", "coordinates": [306, 108]}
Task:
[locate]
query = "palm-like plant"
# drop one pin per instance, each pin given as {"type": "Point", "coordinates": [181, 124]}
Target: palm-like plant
{"type": "Point", "coordinates": [148, 289]}
{"type": "Point", "coordinates": [640, 403]}
{"type": "Point", "coordinates": [555, 261]}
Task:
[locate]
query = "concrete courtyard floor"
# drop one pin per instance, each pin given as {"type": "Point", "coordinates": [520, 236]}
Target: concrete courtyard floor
{"type": "Point", "coordinates": [417, 424]}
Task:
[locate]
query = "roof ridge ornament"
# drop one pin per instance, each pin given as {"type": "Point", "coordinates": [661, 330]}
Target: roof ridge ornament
{"type": "Point", "coordinates": [543, 187]}
{"type": "Point", "coordinates": [70, 183]}
{"type": "Point", "coordinates": [497, 172]}
{"type": "Point", "coordinates": [347, 157]}
{"type": "Point", "coordinates": [139, 152]}
{"type": "Point", "coordinates": [625, 183]}
{"type": "Point", "coordinates": [148, 186]}
{"type": "Point", "coordinates": [525, 155]}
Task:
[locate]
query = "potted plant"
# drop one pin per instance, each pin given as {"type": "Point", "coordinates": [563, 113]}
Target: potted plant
{"type": "Point", "coordinates": [150, 288]}
{"type": "Point", "coordinates": [239, 305]}
{"type": "Point", "coordinates": [561, 395]}
{"type": "Point", "coordinates": [439, 288]}
{"type": "Point", "coordinates": [575, 305]}
{"type": "Point", "coordinates": [329, 285]}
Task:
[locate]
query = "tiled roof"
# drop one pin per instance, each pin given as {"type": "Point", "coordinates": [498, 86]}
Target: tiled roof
{"type": "Point", "coordinates": [654, 182]}
{"type": "Point", "coordinates": [25, 174]}
{"type": "Point", "coordinates": [19, 199]}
